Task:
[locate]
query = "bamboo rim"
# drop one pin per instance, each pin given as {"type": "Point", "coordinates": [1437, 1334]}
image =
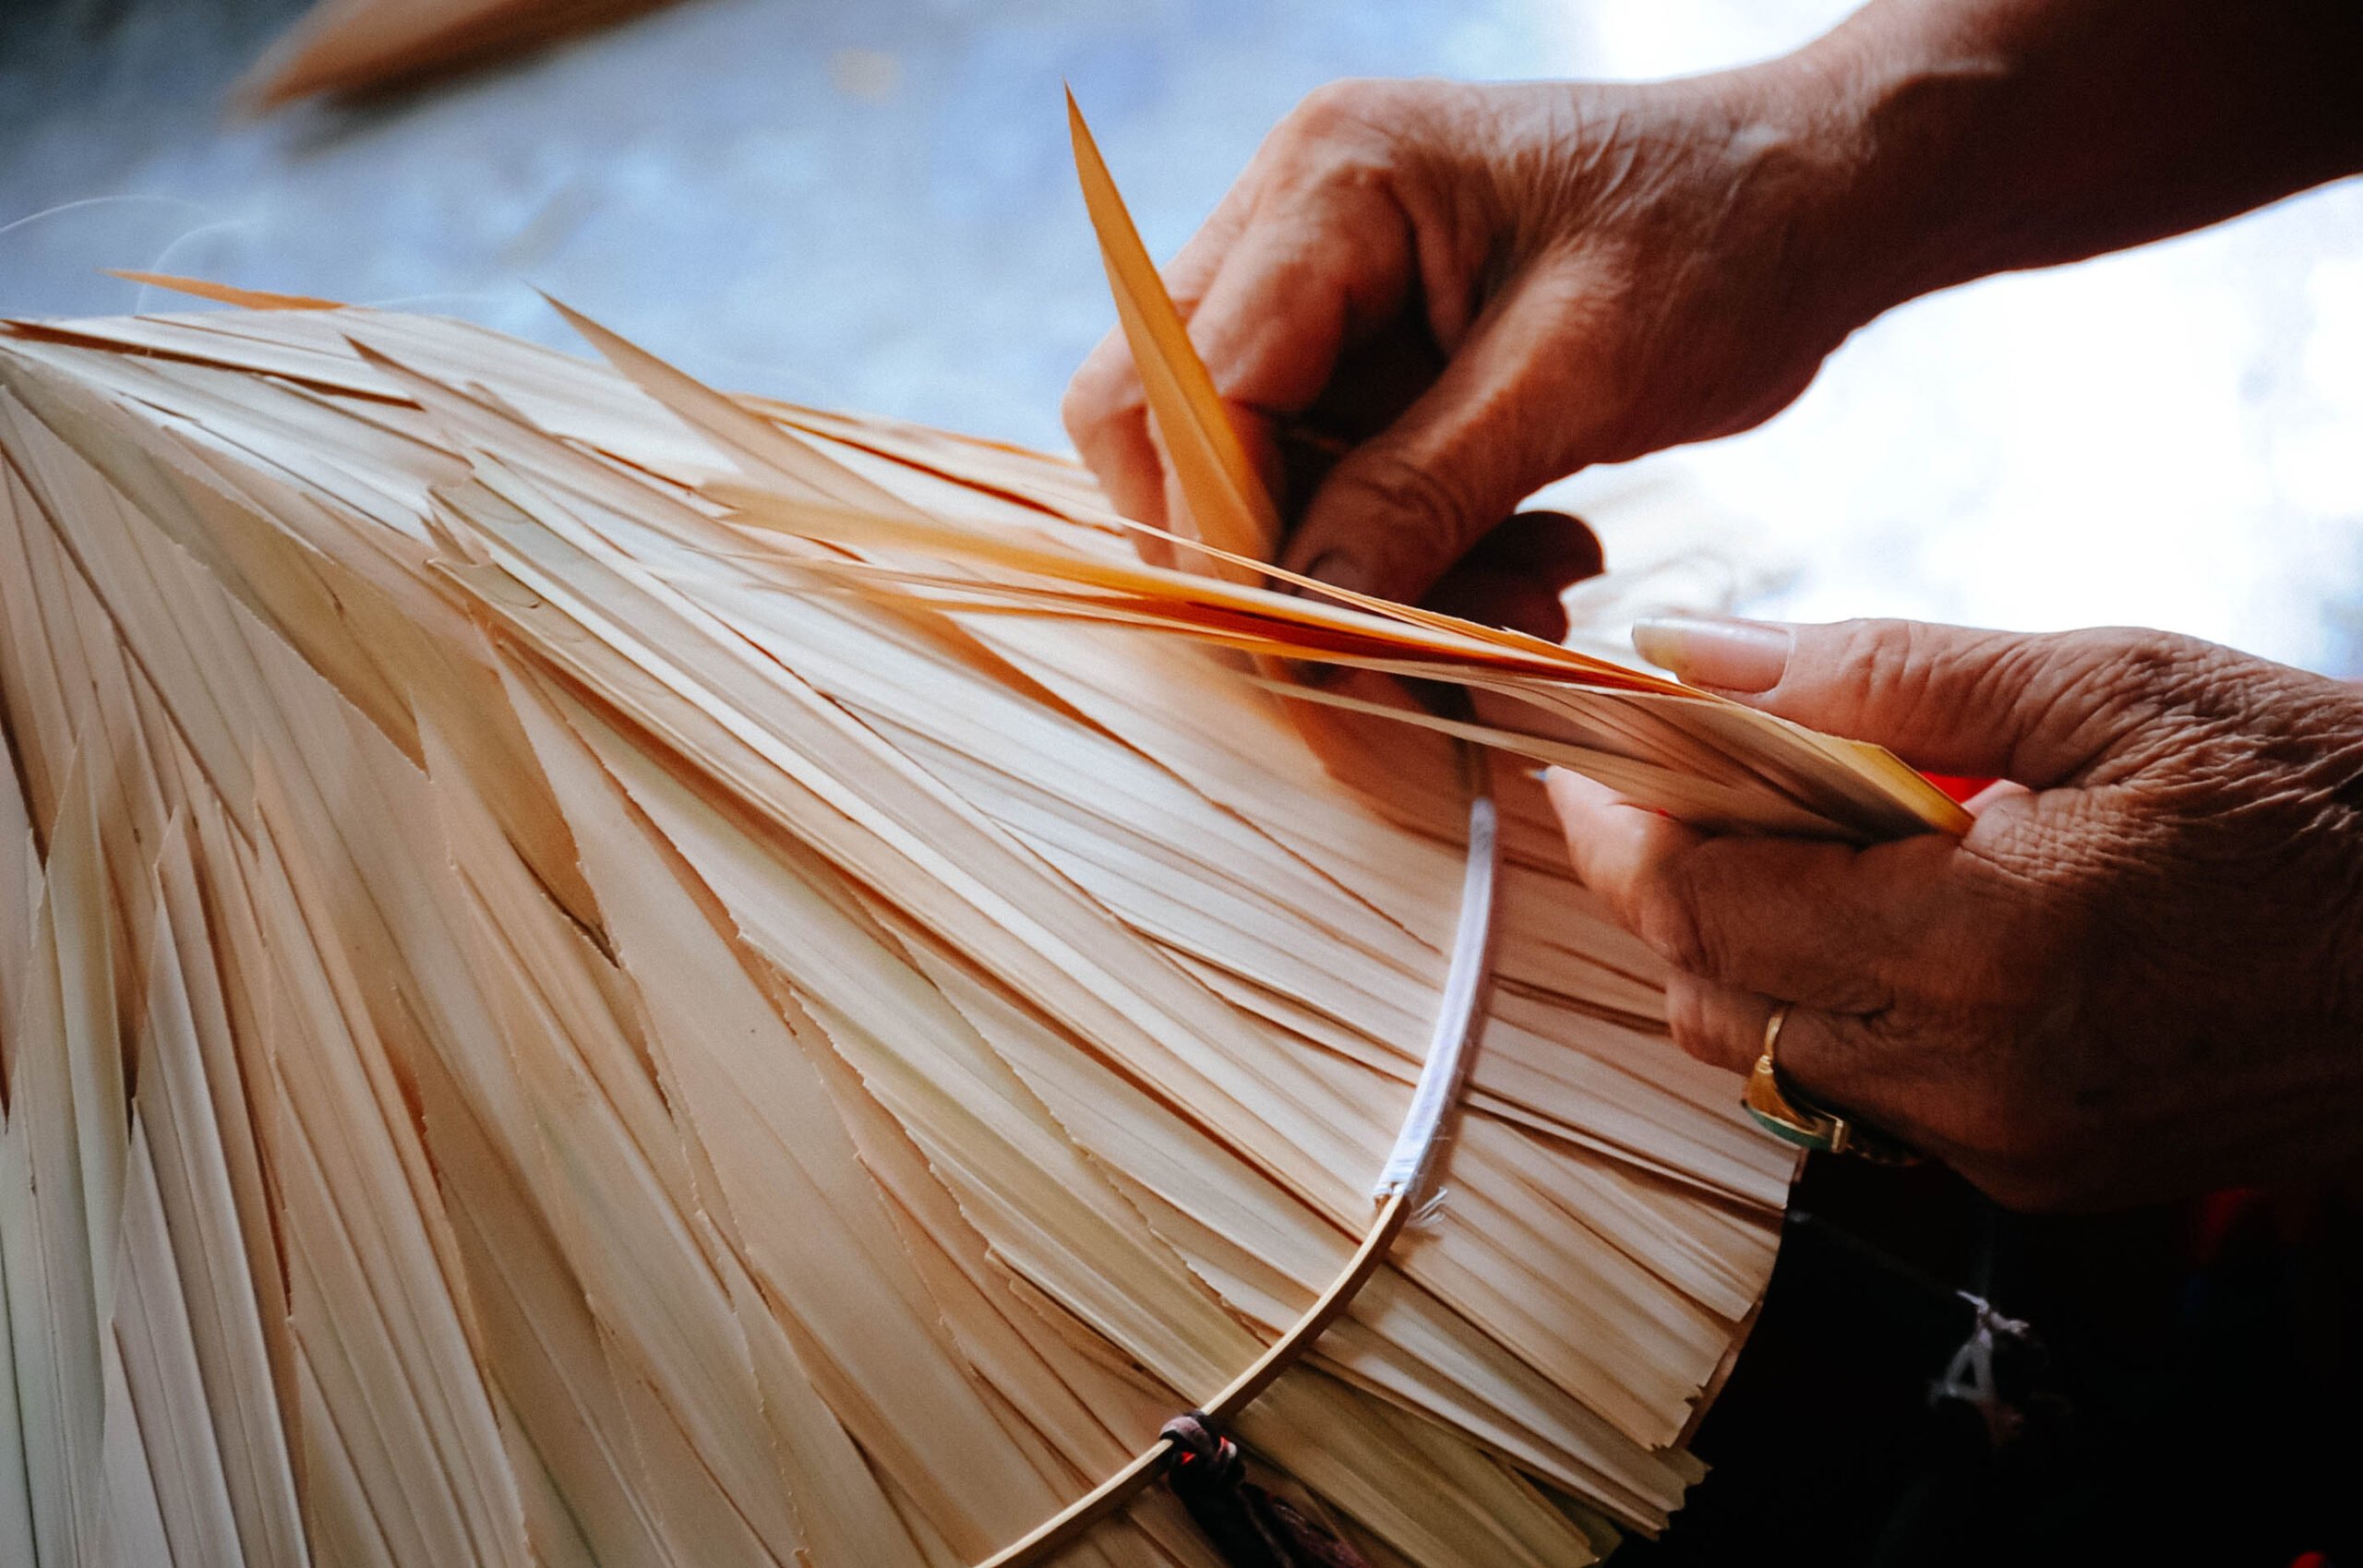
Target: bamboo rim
{"type": "Point", "coordinates": [1404, 1184]}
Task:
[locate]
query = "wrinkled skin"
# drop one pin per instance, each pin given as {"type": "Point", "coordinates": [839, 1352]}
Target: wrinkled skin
{"type": "Point", "coordinates": [2138, 975]}
{"type": "Point", "coordinates": [1481, 289]}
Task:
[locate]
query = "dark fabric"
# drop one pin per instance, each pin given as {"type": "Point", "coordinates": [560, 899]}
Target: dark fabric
{"type": "Point", "coordinates": [2188, 1391]}
{"type": "Point", "coordinates": [1249, 1525]}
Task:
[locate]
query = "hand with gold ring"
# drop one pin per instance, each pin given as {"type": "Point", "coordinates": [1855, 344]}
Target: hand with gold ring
{"type": "Point", "coordinates": [2139, 975]}
{"type": "Point", "coordinates": [1789, 1117]}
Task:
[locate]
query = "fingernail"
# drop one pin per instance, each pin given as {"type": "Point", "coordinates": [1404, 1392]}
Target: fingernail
{"type": "Point", "coordinates": [1340, 568]}
{"type": "Point", "coordinates": [1730, 655]}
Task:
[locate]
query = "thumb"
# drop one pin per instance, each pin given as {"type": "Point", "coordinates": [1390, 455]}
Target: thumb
{"type": "Point", "coordinates": [2038, 709]}
{"type": "Point", "coordinates": [1397, 511]}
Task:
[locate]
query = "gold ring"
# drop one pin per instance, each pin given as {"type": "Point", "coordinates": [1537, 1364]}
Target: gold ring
{"type": "Point", "coordinates": [1793, 1119]}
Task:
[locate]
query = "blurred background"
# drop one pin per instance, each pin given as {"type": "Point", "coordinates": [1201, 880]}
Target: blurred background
{"type": "Point", "coordinates": [870, 206]}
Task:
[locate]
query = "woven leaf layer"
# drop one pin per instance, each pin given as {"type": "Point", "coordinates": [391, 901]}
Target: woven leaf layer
{"type": "Point", "coordinates": [545, 1021]}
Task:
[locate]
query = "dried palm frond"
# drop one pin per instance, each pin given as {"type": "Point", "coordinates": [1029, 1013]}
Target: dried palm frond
{"type": "Point", "coordinates": [358, 46]}
{"type": "Point", "coordinates": [599, 972]}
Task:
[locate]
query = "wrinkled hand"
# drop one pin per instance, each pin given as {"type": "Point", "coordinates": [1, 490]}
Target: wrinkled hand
{"type": "Point", "coordinates": [1471, 291]}
{"type": "Point", "coordinates": [2140, 974]}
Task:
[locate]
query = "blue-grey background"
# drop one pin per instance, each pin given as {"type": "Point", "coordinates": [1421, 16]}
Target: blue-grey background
{"type": "Point", "coordinates": [870, 206]}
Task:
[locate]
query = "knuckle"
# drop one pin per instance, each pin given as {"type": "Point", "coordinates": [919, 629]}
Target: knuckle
{"type": "Point", "coordinates": [2135, 672]}
{"type": "Point", "coordinates": [2140, 696]}
{"type": "Point", "coordinates": [1285, 310]}
{"type": "Point", "coordinates": [2140, 659]}
{"type": "Point", "coordinates": [1697, 1023]}
{"type": "Point", "coordinates": [1081, 413]}
{"type": "Point", "coordinates": [1102, 392]}
{"type": "Point", "coordinates": [1895, 664]}
{"type": "Point", "coordinates": [1671, 923]}
{"type": "Point", "coordinates": [1358, 131]}
{"type": "Point", "coordinates": [1405, 498]}
{"type": "Point", "coordinates": [1105, 378]}
{"type": "Point", "coordinates": [1335, 109]}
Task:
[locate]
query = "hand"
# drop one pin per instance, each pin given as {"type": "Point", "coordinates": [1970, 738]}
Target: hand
{"type": "Point", "coordinates": [1461, 293]}
{"type": "Point", "coordinates": [2141, 973]}
{"type": "Point", "coordinates": [1471, 291]}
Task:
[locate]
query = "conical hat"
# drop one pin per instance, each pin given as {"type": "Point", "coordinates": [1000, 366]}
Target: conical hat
{"type": "Point", "coordinates": [597, 971]}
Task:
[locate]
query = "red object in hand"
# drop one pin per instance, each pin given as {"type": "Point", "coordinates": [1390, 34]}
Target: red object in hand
{"type": "Point", "coordinates": [1954, 784]}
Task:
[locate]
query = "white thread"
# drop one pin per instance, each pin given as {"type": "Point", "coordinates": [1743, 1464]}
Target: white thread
{"type": "Point", "coordinates": [1969, 1376]}
{"type": "Point", "coordinates": [1413, 1157]}
{"type": "Point", "coordinates": [139, 300]}
{"type": "Point", "coordinates": [96, 201]}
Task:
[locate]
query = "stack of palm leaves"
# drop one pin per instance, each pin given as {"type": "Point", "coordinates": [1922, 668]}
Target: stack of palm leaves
{"type": "Point", "coordinates": [597, 971]}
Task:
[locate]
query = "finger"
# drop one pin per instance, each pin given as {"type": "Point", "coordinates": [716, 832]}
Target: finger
{"type": "Point", "coordinates": [1612, 842]}
{"type": "Point", "coordinates": [1314, 273]}
{"type": "Point", "coordinates": [1721, 1025]}
{"type": "Point", "coordinates": [1299, 287]}
{"type": "Point", "coordinates": [2038, 709]}
{"type": "Point", "coordinates": [1399, 509]}
{"type": "Point", "coordinates": [1838, 1062]}
{"type": "Point", "coordinates": [1823, 924]}
{"type": "Point", "coordinates": [1108, 423]}
{"type": "Point", "coordinates": [1516, 574]}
